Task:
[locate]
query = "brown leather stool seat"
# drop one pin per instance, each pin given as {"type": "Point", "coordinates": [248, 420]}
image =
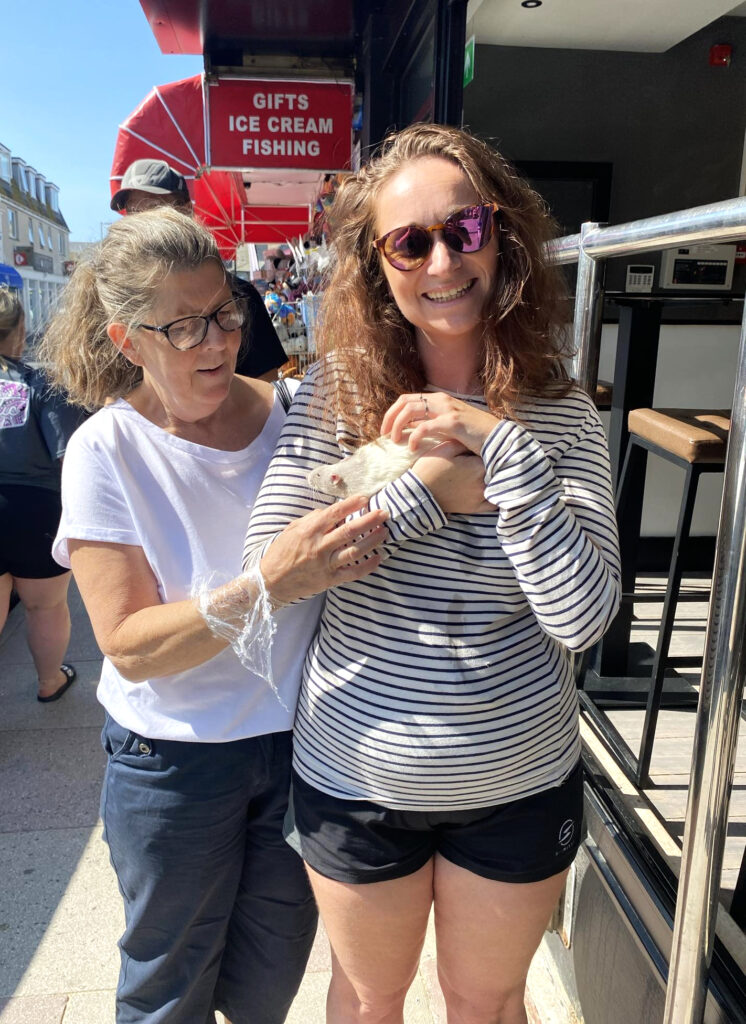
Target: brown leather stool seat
{"type": "Point", "coordinates": [695, 440]}
{"type": "Point", "coordinates": [692, 434]}
{"type": "Point", "coordinates": [604, 392]}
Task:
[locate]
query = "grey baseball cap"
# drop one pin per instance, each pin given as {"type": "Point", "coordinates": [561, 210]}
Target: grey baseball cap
{"type": "Point", "coordinates": [149, 176]}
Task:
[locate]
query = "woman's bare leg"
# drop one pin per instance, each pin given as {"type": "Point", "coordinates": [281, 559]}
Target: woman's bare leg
{"type": "Point", "coordinates": [6, 585]}
{"type": "Point", "coordinates": [487, 933]}
{"type": "Point", "coordinates": [376, 932]}
{"type": "Point", "coordinates": [48, 625]}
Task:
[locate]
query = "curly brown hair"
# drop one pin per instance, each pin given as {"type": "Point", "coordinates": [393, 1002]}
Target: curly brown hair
{"type": "Point", "coordinates": [524, 319]}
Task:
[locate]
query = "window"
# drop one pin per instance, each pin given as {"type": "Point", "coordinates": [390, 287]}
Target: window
{"type": "Point", "coordinates": [19, 174]}
{"type": "Point", "coordinates": [53, 198]}
{"type": "Point", "coordinates": [40, 189]}
{"type": "Point", "coordinates": [50, 244]}
{"type": "Point", "coordinates": [40, 232]}
{"type": "Point", "coordinates": [13, 223]}
{"type": "Point", "coordinates": [31, 231]}
{"type": "Point", "coordinates": [63, 244]}
{"type": "Point", "coordinates": [4, 165]}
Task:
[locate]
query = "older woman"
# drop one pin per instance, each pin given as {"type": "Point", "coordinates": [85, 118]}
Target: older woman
{"type": "Point", "coordinates": [436, 740]}
{"type": "Point", "coordinates": [34, 429]}
{"type": "Point", "coordinates": [157, 488]}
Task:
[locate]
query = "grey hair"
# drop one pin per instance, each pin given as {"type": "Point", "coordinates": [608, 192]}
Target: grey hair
{"type": "Point", "coordinates": [117, 283]}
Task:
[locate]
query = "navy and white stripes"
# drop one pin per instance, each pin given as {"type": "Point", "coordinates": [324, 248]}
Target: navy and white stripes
{"type": "Point", "coordinates": [441, 679]}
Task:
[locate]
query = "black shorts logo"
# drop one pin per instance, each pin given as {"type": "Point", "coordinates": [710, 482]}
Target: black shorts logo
{"type": "Point", "coordinates": [566, 833]}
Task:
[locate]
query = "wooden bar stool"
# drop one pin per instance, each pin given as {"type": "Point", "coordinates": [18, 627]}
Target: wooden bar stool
{"type": "Point", "coordinates": [695, 440]}
{"type": "Point", "coordinates": [604, 393]}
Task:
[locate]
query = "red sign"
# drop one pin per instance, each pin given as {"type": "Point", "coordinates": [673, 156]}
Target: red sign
{"type": "Point", "coordinates": [260, 123]}
{"type": "Point", "coordinates": [21, 256]}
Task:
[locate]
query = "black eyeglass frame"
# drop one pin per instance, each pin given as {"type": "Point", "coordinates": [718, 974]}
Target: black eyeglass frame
{"type": "Point", "coordinates": [380, 243]}
{"type": "Point", "coordinates": [165, 328]}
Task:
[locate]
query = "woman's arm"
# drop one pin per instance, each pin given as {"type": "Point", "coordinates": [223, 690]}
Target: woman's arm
{"type": "Point", "coordinates": [556, 523]}
{"type": "Point", "coordinates": [145, 638]}
{"type": "Point", "coordinates": [141, 636]}
{"type": "Point", "coordinates": [556, 520]}
{"type": "Point", "coordinates": [441, 483]}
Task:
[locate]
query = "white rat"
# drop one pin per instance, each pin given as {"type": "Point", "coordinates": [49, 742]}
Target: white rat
{"type": "Point", "coordinates": [369, 468]}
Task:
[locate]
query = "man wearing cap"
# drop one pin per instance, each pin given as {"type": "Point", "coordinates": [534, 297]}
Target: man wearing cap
{"type": "Point", "coordinates": [149, 184]}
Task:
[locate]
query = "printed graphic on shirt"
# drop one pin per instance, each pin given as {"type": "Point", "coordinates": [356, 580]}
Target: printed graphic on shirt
{"type": "Point", "coordinates": [15, 401]}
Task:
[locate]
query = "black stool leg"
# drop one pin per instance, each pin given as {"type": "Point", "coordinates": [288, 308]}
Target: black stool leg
{"type": "Point", "coordinates": [614, 648]}
{"type": "Point", "coordinates": [673, 588]}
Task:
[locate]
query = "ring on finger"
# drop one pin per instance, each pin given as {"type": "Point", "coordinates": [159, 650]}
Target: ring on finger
{"type": "Point", "coordinates": [427, 408]}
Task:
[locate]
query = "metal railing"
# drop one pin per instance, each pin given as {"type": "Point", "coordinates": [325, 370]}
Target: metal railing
{"type": "Point", "coordinates": [724, 666]}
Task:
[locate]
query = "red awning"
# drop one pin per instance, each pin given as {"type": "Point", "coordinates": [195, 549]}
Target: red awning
{"type": "Point", "coordinates": [169, 125]}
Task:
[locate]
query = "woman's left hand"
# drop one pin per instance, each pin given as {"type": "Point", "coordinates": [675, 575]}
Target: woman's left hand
{"type": "Point", "coordinates": [436, 414]}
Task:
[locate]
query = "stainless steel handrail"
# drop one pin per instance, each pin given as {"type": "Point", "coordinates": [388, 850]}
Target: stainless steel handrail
{"type": "Point", "coordinates": [724, 667]}
{"type": "Point", "coordinates": [587, 316]}
{"type": "Point", "coordinates": [718, 222]}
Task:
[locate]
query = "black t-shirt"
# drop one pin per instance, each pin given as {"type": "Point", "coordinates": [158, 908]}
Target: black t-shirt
{"type": "Point", "coordinates": [35, 426]}
{"type": "Point", "coordinates": [261, 350]}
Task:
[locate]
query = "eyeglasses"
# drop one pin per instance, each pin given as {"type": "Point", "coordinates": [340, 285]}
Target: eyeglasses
{"type": "Point", "coordinates": [467, 230]}
{"type": "Point", "coordinates": [189, 331]}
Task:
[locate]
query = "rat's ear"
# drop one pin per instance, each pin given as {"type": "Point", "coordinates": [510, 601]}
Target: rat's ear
{"type": "Point", "coordinates": [120, 337]}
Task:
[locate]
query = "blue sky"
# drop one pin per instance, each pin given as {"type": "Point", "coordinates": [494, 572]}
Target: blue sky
{"type": "Point", "coordinates": [72, 70]}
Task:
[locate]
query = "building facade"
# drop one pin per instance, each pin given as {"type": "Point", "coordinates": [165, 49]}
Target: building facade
{"type": "Point", "coordinates": [34, 237]}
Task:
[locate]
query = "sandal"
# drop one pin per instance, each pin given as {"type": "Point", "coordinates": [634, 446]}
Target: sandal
{"type": "Point", "coordinates": [70, 676]}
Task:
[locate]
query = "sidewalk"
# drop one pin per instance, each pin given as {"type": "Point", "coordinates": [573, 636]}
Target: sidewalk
{"type": "Point", "coordinates": [60, 911]}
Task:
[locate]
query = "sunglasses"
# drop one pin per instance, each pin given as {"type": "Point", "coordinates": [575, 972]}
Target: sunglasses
{"type": "Point", "coordinates": [467, 230]}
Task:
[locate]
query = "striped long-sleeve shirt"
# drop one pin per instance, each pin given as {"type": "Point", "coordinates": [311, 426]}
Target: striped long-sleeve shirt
{"type": "Point", "coordinates": [441, 679]}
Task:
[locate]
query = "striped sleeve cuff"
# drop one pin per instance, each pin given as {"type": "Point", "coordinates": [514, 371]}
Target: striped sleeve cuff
{"type": "Point", "coordinates": [517, 471]}
{"type": "Point", "coordinates": [413, 511]}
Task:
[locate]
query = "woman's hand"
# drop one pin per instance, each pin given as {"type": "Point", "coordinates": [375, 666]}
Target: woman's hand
{"type": "Point", "coordinates": [321, 550]}
{"type": "Point", "coordinates": [436, 414]}
{"type": "Point", "coordinates": [455, 479]}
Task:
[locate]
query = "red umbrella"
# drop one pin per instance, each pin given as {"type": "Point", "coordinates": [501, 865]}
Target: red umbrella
{"type": "Point", "coordinates": [169, 125]}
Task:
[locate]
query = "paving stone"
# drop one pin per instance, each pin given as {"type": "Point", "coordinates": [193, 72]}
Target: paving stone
{"type": "Point", "coordinates": [309, 1006]}
{"type": "Point", "coordinates": [51, 778]}
{"type": "Point", "coordinates": [90, 1008]}
{"type": "Point", "coordinates": [60, 913]}
{"type": "Point", "coordinates": [22, 711]}
{"type": "Point", "coordinates": [34, 1010]}
{"type": "Point", "coordinates": [429, 979]}
{"type": "Point", "coordinates": [321, 956]}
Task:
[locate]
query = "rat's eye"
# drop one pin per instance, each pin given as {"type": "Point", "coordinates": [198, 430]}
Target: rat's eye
{"type": "Point", "coordinates": [335, 478]}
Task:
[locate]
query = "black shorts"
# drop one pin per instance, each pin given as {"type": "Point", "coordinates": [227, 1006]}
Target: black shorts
{"type": "Point", "coordinates": [359, 841]}
{"type": "Point", "coordinates": [29, 517]}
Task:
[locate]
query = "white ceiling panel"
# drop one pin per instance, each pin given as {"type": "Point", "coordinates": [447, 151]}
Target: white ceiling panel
{"type": "Point", "coordinates": [651, 26]}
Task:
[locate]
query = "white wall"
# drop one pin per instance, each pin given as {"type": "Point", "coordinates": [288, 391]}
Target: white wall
{"type": "Point", "coordinates": [696, 369]}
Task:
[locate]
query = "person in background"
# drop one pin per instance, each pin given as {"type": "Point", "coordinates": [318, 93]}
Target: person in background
{"type": "Point", "coordinates": [156, 492]}
{"type": "Point", "coordinates": [35, 426]}
{"type": "Point", "coordinates": [436, 744]}
{"type": "Point", "coordinates": [150, 184]}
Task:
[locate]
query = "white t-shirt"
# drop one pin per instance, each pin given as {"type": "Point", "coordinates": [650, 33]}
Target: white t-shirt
{"type": "Point", "coordinates": [127, 481]}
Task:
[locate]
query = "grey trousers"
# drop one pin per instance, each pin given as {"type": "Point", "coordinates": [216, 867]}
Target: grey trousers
{"type": "Point", "coordinates": [219, 912]}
